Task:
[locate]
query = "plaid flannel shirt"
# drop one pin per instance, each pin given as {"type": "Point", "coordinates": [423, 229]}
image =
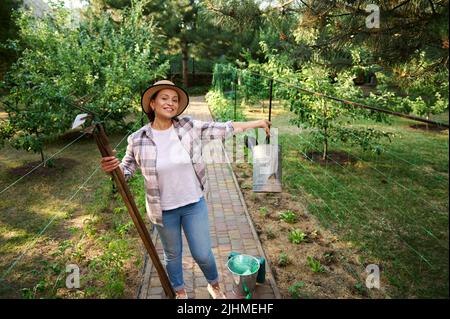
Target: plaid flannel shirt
{"type": "Point", "coordinates": [141, 152]}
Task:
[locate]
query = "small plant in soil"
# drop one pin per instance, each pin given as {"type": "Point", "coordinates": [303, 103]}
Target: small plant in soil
{"type": "Point", "coordinates": [283, 260]}
{"type": "Point", "coordinates": [329, 257]}
{"type": "Point", "coordinates": [246, 186]}
{"type": "Point", "coordinates": [295, 290]}
{"type": "Point", "coordinates": [289, 217]}
{"type": "Point", "coordinates": [244, 174]}
{"type": "Point", "coordinates": [314, 234]}
{"type": "Point", "coordinates": [296, 236]}
{"type": "Point", "coordinates": [263, 211]}
{"type": "Point", "coordinates": [270, 233]}
{"type": "Point", "coordinates": [315, 265]}
{"type": "Point", "coordinates": [360, 288]}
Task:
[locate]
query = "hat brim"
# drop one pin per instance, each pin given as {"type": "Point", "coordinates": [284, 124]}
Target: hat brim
{"type": "Point", "coordinates": [183, 97]}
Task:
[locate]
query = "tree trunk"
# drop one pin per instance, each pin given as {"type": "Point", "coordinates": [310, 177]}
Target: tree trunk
{"type": "Point", "coordinates": [193, 71]}
{"type": "Point", "coordinates": [325, 146]}
{"type": "Point", "coordinates": [185, 71]}
{"type": "Point", "coordinates": [325, 133]}
{"type": "Point", "coordinates": [43, 158]}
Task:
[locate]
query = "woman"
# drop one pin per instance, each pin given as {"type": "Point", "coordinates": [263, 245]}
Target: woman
{"type": "Point", "coordinates": [168, 152]}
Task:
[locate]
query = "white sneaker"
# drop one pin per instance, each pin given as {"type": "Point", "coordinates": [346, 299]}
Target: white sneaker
{"type": "Point", "coordinates": [216, 293]}
{"type": "Point", "coordinates": [181, 295]}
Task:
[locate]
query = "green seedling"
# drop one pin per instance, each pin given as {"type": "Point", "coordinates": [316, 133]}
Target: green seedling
{"type": "Point", "coordinates": [270, 233]}
{"type": "Point", "coordinates": [295, 289]}
{"type": "Point", "coordinates": [296, 236]}
{"type": "Point", "coordinates": [263, 211]}
{"type": "Point", "coordinates": [289, 217]}
{"type": "Point", "coordinates": [315, 265]}
{"type": "Point", "coordinates": [283, 260]}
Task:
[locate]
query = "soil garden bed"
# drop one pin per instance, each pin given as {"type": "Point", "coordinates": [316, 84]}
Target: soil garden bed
{"type": "Point", "coordinates": [320, 265]}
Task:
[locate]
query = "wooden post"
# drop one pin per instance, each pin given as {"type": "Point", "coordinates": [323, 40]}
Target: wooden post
{"type": "Point", "coordinates": [270, 106]}
{"type": "Point", "coordinates": [119, 179]}
{"type": "Point", "coordinates": [234, 116]}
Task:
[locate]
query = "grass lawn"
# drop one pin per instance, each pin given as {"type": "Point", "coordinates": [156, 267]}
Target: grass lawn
{"type": "Point", "coordinates": [50, 219]}
{"type": "Point", "coordinates": [393, 206]}
{"type": "Point", "coordinates": [65, 215]}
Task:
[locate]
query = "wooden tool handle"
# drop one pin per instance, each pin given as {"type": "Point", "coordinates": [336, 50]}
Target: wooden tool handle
{"type": "Point", "coordinates": [119, 179]}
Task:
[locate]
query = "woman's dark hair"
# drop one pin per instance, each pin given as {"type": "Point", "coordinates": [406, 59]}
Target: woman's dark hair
{"type": "Point", "coordinates": [151, 113]}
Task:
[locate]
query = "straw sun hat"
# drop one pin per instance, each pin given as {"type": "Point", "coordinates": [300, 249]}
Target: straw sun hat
{"type": "Point", "coordinates": [183, 98]}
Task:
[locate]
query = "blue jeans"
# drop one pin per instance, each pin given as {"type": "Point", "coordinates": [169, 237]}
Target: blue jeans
{"type": "Point", "coordinates": [194, 220]}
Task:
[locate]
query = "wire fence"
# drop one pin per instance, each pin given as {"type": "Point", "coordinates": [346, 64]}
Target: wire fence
{"type": "Point", "coordinates": [408, 213]}
{"type": "Point", "coordinates": [41, 232]}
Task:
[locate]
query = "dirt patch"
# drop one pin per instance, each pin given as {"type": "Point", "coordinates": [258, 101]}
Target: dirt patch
{"type": "Point", "coordinates": [430, 128]}
{"type": "Point", "coordinates": [333, 158]}
{"type": "Point", "coordinates": [342, 272]}
{"type": "Point", "coordinates": [54, 167]}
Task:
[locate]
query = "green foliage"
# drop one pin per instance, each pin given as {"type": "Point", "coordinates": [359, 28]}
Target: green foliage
{"type": "Point", "coordinates": [223, 107]}
{"type": "Point", "coordinates": [98, 63]}
{"type": "Point", "coordinates": [283, 260]}
{"type": "Point", "coordinates": [329, 257]}
{"type": "Point", "coordinates": [270, 234]}
{"type": "Point", "coordinates": [295, 290]}
{"type": "Point", "coordinates": [328, 121]}
{"type": "Point", "coordinates": [8, 30]}
{"type": "Point", "coordinates": [296, 236]}
{"type": "Point", "coordinates": [315, 265]}
{"type": "Point", "coordinates": [289, 217]}
{"type": "Point", "coordinates": [224, 77]}
{"type": "Point", "coordinates": [254, 88]}
{"type": "Point", "coordinates": [263, 211]}
{"type": "Point", "coordinates": [426, 97]}
{"type": "Point", "coordinates": [359, 286]}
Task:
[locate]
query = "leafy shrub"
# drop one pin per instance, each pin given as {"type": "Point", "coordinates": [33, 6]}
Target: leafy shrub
{"type": "Point", "coordinates": [98, 64]}
{"type": "Point", "coordinates": [222, 107]}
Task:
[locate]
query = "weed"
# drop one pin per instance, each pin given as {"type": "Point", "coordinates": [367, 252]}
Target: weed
{"type": "Point", "coordinates": [62, 247]}
{"type": "Point", "coordinates": [283, 260]}
{"type": "Point", "coordinates": [123, 229]}
{"type": "Point", "coordinates": [270, 233]}
{"type": "Point", "coordinates": [329, 257]}
{"type": "Point", "coordinates": [315, 265]}
{"type": "Point", "coordinates": [360, 288]}
{"type": "Point", "coordinates": [263, 211]}
{"type": "Point", "coordinates": [246, 186]}
{"type": "Point", "coordinates": [295, 290]}
{"type": "Point", "coordinates": [296, 236]}
{"type": "Point", "coordinates": [289, 217]}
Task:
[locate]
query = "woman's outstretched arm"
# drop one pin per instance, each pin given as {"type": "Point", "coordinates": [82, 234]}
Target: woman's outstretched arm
{"type": "Point", "coordinates": [242, 126]}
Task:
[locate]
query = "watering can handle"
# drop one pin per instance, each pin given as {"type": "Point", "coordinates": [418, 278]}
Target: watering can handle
{"type": "Point", "coordinates": [250, 141]}
{"type": "Point", "coordinates": [268, 136]}
{"type": "Point", "coordinates": [247, 291]}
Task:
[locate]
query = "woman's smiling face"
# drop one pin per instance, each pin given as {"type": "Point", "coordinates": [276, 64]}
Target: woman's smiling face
{"type": "Point", "coordinates": [165, 104]}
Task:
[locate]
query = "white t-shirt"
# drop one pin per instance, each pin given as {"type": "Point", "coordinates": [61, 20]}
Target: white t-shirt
{"type": "Point", "coordinates": [178, 183]}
